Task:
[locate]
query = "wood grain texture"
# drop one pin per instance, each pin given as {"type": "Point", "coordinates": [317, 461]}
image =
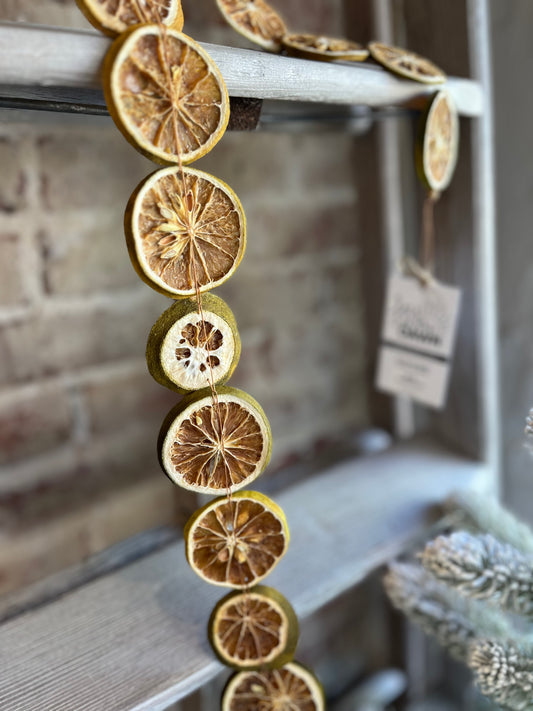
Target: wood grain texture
{"type": "Point", "coordinates": [102, 563]}
{"type": "Point", "coordinates": [456, 36]}
{"type": "Point", "coordinates": [135, 640]}
{"type": "Point", "coordinates": [50, 57]}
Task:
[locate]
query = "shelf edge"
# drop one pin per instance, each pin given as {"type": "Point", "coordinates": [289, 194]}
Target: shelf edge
{"type": "Point", "coordinates": [38, 56]}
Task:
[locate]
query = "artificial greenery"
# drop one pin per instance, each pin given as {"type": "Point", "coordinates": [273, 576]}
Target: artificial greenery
{"type": "Point", "coordinates": [473, 591]}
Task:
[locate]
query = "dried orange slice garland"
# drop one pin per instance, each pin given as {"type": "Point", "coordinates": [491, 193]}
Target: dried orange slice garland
{"type": "Point", "coordinates": [184, 229]}
{"type": "Point", "coordinates": [406, 64]}
{"type": "Point", "coordinates": [292, 688]}
{"type": "Point", "coordinates": [254, 630]}
{"type": "Point", "coordinates": [186, 234]}
{"type": "Point", "coordinates": [256, 20]}
{"type": "Point", "coordinates": [115, 16]}
{"type": "Point", "coordinates": [437, 147]}
{"type": "Point", "coordinates": [322, 47]}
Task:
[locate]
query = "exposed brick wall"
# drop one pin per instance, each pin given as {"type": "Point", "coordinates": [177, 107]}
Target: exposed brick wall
{"type": "Point", "coordinates": [79, 413]}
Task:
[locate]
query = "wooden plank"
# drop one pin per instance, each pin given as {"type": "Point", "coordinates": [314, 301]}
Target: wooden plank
{"type": "Point", "coordinates": [392, 156]}
{"type": "Point", "coordinates": [135, 640]}
{"type": "Point", "coordinates": [102, 563]}
{"type": "Point", "coordinates": [36, 56]}
{"type": "Point", "coordinates": [484, 224]}
{"type": "Point", "coordinates": [464, 229]}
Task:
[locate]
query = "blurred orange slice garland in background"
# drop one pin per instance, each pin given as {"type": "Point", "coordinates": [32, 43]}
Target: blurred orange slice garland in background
{"type": "Point", "coordinates": [186, 234]}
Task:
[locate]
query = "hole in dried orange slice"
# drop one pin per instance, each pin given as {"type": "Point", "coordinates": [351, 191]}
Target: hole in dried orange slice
{"type": "Point", "coordinates": [237, 541]}
{"type": "Point", "coordinates": [186, 353]}
{"type": "Point", "coordinates": [165, 94]}
{"type": "Point", "coordinates": [438, 143]}
{"type": "Point", "coordinates": [252, 629]}
{"type": "Point", "coordinates": [406, 64]}
{"type": "Point", "coordinates": [185, 228]}
{"type": "Point", "coordinates": [323, 48]}
{"type": "Point", "coordinates": [114, 16]}
{"type": "Point", "coordinates": [255, 20]}
{"type": "Point", "coordinates": [213, 447]}
{"type": "Point", "coordinates": [292, 688]}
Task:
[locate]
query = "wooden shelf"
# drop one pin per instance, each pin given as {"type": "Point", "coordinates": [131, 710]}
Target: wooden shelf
{"type": "Point", "coordinates": [135, 640]}
{"type": "Point", "coordinates": [38, 62]}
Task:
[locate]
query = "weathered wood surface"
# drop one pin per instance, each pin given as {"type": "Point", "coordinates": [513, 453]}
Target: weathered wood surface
{"type": "Point", "coordinates": [36, 56]}
{"type": "Point", "coordinates": [456, 36]}
{"type": "Point", "coordinates": [102, 563]}
{"type": "Point", "coordinates": [135, 640]}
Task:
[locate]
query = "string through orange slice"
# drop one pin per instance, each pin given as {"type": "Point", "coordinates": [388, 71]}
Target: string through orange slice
{"type": "Point", "coordinates": [292, 688]}
{"type": "Point", "coordinates": [165, 94]}
{"type": "Point", "coordinates": [254, 629]}
{"type": "Point", "coordinates": [212, 446]}
{"type": "Point", "coordinates": [236, 542]}
{"type": "Point", "coordinates": [184, 349]}
{"type": "Point", "coordinates": [185, 230]}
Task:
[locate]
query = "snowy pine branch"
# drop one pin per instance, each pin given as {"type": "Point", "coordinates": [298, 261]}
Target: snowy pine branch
{"type": "Point", "coordinates": [483, 514]}
{"type": "Point", "coordinates": [453, 621]}
{"type": "Point", "coordinates": [504, 673]}
{"type": "Point", "coordinates": [482, 568]}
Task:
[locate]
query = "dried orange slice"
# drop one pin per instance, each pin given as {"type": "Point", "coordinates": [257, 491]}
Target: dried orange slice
{"type": "Point", "coordinates": [112, 17]}
{"type": "Point", "coordinates": [291, 688]}
{"type": "Point", "coordinates": [184, 229]}
{"type": "Point", "coordinates": [186, 352]}
{"type": "Point", "coordinates": [236, 541]}
{"type": "Point", "coordinates": [255, 20]}
{"type": "Point", "coordinates": [406, 64]}
{"type": "Point", "coordinates": [323, 48]}
{"type": "Point", "coordinates": [215, 447]}
{"type": "Point", "coordinates": [165, 94]}
{"type": "Point", "coordinates": [437, 146]}
{"type": "Point", "coordinates": [253, 629]}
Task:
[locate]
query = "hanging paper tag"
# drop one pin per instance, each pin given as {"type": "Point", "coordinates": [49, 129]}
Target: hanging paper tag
{"type": "Point", "coordinates": [422, 320]}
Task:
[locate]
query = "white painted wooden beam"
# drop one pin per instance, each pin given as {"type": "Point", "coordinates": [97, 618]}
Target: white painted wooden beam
{"type": "Point", "coordinates": [38, 56]}
{"type": "Point", "coordinates": [135, 640]}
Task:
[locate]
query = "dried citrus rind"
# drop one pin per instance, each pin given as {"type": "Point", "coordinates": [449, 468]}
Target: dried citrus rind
{"type": "Point", "coordinates": [236, 541]}
{"type": "Point", "coordinates": [254, 629]}
{"type": "Point", "coordinates": [256, 20]}
{"type": "Point", "coordinates": [437, 146]}
{"type": "Point", "coordinates": [323, 48]}
{"type": "Point", "coordinates": [406, 64]}
{"type": "Point", "coordinates": [215, 446]}
{"type": "Point", "coordinates": [112, 17]}
{"type": "Point", "coordinates": [185, 230]}
{"type": "Point", "coordinates": [186, 352]}
{"type": "Point", "coordinates": [165, 94]}
{"type": "Point", "coordinates": [291, 688]}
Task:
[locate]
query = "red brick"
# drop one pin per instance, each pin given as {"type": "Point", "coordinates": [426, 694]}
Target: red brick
{"type": "Point", "coordinates": [255, 163]}
{"type": "Point", "coordinates": [33, 420]}
{"type": "Point", "coordinates": [13, 291]}
{"type": "Point", "coordinates": [13, 179]}
{"type": "Point", "coordinates": [86, 253]}
{"type": "Point", "coordinates": [117, 398]}
{"type": "Point", "coordinates": [87, 473]}
{"type": "Point", "coordinates": [34, 552]}
{"type": "Point", "coordinates": [276, 294]}
{"type": "Point", "coordinates": [89, 168]}
{"type": "Point", "coordinates": [297, 230]}
{"type": "Point", "coordinates": [71, 337]}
